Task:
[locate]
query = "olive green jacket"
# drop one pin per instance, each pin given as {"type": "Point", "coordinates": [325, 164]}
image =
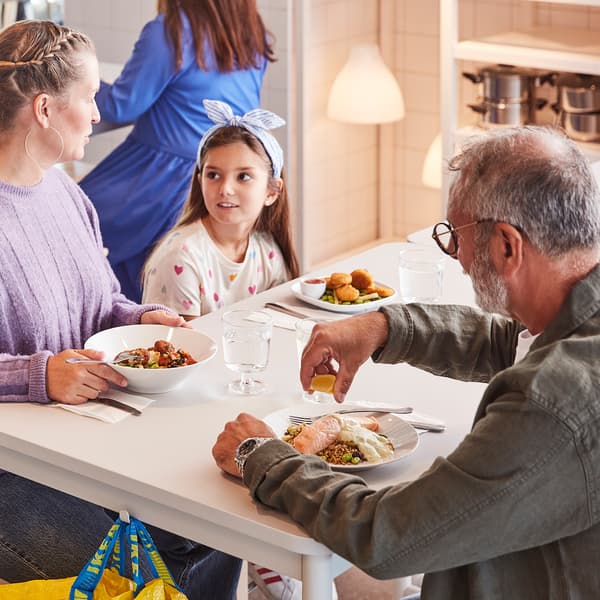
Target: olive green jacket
{"type": "Point", "coordinates": [513, 512]}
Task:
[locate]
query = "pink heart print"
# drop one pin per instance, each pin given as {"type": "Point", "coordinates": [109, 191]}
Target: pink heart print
{"type": "Point", "coordinates": [187, 304]}
{"type": "Point", "coordinates": [252, 289]}
{"type": "Point", "coordinates": [178, 269]}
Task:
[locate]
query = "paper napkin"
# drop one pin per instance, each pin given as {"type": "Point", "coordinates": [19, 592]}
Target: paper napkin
{"type": "Point", "coordinates": [108, 414]}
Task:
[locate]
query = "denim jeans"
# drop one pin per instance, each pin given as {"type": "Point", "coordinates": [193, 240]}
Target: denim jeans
{"type": "Point", "coordinates": [46, 534]}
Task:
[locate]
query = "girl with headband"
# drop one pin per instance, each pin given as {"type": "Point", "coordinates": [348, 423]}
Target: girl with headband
{"type": "Point", "coordinates": [233, 239]}
{"type": "Point", "coordinates": [193, 49]}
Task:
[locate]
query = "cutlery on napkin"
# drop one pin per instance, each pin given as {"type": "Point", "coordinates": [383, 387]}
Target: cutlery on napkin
{"type": "Point", "coordinates": [112, 407]}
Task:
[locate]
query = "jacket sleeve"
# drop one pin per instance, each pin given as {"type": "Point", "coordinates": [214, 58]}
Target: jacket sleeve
{"type": "Point", "coordinates": [475, 345]}
{"type": "Point", "coordinates": [146, 74]}
{"type": "Point", "coordinates": [511, 469]}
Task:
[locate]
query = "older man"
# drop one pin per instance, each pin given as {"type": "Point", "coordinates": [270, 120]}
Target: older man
{"type": "Point", "coordinates": [514, 511]}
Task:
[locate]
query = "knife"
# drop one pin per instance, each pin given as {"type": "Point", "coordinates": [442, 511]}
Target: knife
{"type": "Point", "coordinates": [291, 311]}
{"type": "Point", "coordinates": [116, 404]}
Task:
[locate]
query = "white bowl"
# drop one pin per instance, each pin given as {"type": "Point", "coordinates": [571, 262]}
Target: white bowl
{"type": "Point", "coordinates": [153, 381]}
{"type": "Point", "coordinates": [313, 287]}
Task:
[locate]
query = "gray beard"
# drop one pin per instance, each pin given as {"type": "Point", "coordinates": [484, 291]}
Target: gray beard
{"type": "Point", "coordinates": [491, 294]}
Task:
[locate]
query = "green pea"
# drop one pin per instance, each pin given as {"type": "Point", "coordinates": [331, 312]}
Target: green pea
{"type": "Point", "coordinates": [355, 460]}
{"type": "Point", "coordinates": [347, 457]}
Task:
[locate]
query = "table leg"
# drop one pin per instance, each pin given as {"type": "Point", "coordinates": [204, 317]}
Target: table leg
{"type": "Point", "coordinates": [316, 578]}
{"type": "Point", "coordinates": [242, 588]}
{"type": "Point", "coordinates": [399, 586]}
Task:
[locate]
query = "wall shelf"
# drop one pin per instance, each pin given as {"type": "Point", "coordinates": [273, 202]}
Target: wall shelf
{"type": "Point", "coordinates": [572, 50]}
{"type": "Point", "coordinates": [550, 49]}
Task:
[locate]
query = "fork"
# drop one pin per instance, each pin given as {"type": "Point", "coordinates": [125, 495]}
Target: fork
{"type": "Point", "coordinates": [299, 420]}
{"type": "Point", "coordinates": [120, 358]}
{"type": "Point", "coordinates": [436, 426]}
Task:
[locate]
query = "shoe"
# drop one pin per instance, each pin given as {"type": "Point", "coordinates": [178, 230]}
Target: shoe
{"type": "Point", "coordinates": [278, 587]}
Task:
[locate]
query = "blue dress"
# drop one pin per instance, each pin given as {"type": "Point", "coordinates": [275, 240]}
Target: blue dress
{"type": "Point", "coordinates": [139, 188]}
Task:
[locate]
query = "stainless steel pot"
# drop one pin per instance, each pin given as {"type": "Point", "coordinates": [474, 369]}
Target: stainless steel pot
{"type": "Point", "coordinates": [505, 83]}
{"type": "Point", "coordinates": [578, 93]}
{"type": "Point", "coordinates": [582, 127]}
{"type": "Point", "coordinates": [507, 114]}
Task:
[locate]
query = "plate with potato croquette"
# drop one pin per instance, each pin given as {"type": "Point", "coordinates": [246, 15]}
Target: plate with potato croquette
{"type": "Point", "coordinates": [345, 300]}
{"type": "Point", "coordinates": [361, 440]}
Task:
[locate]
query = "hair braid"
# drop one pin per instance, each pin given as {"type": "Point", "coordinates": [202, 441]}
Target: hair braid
{"type": "Point", "coordinates": [36, 57]}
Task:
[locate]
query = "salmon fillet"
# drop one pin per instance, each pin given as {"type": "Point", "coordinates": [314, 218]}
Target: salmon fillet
{"type": "Point", "coordinates": [316, 437]}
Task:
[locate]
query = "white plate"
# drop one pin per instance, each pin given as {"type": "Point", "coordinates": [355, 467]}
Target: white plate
{"type": "Point", "coordinates": [343, 308]}
{"type": "Point", "coordinates": [402, 435]}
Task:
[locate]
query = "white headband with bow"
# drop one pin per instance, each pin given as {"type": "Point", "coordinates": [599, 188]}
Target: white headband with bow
{"type": "Point", "coordinates": [257, 122]}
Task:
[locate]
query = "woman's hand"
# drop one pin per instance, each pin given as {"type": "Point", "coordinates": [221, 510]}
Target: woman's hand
{"type": "Point", "coordinates": [75, 384]}
{"type": "Point", "coordinates": [347, 342]}
{"type": "Point", "coordinates": [163, 317]}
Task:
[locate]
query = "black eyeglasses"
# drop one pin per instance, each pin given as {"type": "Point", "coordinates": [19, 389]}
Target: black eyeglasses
{"type": "Point", "coordinates": [449, 245]}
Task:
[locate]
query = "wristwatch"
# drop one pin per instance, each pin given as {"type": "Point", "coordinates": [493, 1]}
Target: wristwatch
{"type": "Point", "coordinates": [246, 448]}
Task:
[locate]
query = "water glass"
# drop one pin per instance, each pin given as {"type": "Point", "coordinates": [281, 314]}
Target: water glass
{"type": "Point", "coordinates": [304, 329]}
{"type": "Point", "coordinates": [246, 342]}
{"type": "Point", "coordinates": [421, 271]}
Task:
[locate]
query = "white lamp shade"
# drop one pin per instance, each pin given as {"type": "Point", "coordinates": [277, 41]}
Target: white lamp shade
{"type": "Point", "coordinates": [365, 90]}
{"type": "Point", "coordinates": [432, 167]}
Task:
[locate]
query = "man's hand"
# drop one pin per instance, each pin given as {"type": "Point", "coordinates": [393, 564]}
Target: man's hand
{"type": "Point", "coordinates": [163, 317]}
{"type": "Point", "coordinates": [348, 342]}
{"type": "Point", "coordinates": [235, 432]}
{"type": "Point", "coordinates": [74, 384]}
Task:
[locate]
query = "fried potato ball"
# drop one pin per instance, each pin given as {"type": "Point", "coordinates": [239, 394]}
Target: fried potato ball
{"type": "Point", "coordinates": [361, 279]}
{"type": "Point", "coordinates": [347, 293]}
{"type": "Point", "coordinates": [337, 280]}
{"type": "Point", "coordinates": [381, 290]}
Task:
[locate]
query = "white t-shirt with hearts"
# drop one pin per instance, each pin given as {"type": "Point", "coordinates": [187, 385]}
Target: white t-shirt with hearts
{"type": "Point", "coordinates": [191, 275]}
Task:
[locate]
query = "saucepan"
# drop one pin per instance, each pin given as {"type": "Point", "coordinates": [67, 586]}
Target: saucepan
{"type": "Point", "coordinates": [582, 127]}
{"type": "Point", "coordinates": [578, 93]}
{"type": "Point", "coordinates": [507, 114]}
{"type": "Point", "coordinates": [506, 83]}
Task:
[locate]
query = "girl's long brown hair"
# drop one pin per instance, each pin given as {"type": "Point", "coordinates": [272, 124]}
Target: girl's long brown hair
{"type": "Point", "coordinates": [273, 219]}
{"type": "Point", "coordinates": [233, 29]}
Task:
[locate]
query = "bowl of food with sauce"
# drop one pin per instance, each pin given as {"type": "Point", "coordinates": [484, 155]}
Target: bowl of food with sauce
{"type": "Point", "coordinates": [157, 358]}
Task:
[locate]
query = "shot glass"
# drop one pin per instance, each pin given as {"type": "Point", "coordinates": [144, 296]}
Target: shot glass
{"type": "Point", "coordinates": [304, 329]}
{"type": "Point", "coordinates": [421, 272]}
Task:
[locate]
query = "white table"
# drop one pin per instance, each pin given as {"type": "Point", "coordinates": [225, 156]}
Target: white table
{"type": "Point", "coordinates": [159, 466]}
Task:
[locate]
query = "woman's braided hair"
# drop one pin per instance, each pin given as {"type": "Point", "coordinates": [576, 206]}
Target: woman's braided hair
{"type": "Point", "coordinates": [37, 57]}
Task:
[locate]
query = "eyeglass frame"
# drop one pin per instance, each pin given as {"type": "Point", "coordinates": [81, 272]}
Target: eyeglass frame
{"type": "Point", "coordinates": [452, 231]}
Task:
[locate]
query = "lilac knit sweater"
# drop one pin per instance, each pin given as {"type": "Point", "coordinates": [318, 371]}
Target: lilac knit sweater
{"type": "Point", "coordinates": [57, 288]}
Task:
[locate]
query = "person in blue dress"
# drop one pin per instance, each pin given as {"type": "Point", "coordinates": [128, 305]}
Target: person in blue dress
{"type": "Point", "coordinates": [192, 50]}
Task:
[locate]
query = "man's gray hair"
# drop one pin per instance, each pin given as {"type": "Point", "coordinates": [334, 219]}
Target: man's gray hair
{"type": "Point", "coordinates": [534, 178]}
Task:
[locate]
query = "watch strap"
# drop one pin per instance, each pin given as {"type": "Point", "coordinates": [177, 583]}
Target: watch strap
{"type": "Point", "coordinates": [245, 449]}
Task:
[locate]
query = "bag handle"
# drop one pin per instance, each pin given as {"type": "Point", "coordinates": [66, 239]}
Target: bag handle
{"type": "Point", "coordinates": [113, 547]}
{"type": "Point", "coordinates": [89, 577]}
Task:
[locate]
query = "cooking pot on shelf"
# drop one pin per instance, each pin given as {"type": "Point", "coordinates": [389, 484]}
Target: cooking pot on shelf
{"type": "Point", "coordinates": [505, 83]}
{"type": "Point", "coordinates": [579, 126]}
{"type": "Point", "coordinates": [578, 93]}
{"type": "Point", "coordinates": [507, 114]}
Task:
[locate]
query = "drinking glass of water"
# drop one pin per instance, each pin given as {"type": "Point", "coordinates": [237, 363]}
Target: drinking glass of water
{"type": "Point", "coordinates": [246, 340]}
{"type": "Point", "coordinates": [421, 271]}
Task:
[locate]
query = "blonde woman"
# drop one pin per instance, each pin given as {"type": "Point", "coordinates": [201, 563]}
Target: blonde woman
{"type": "Point", "coordinates": [56, 290]}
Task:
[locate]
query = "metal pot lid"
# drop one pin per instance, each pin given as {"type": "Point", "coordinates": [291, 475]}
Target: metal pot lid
{"type": "Point", "coordinates": [579, 81]}
{"type": "Point", "coordinates": [508, 71]}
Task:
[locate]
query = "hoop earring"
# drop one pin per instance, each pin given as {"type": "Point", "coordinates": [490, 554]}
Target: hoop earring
{"type": "Point", "coordinates": [30, 155]}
